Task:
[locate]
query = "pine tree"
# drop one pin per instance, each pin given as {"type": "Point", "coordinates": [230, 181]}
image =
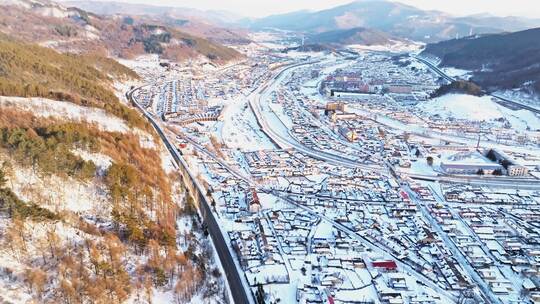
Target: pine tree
{"type": "Point", "coordinates": [260, 294]}
{"type": "Point", "coordinates": [3, 179]}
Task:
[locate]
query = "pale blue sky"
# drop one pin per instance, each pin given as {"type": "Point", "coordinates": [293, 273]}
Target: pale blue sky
{"type": "Point", "coordinates": [258, 8]}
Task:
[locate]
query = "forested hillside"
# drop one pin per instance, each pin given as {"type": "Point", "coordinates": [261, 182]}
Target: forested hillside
{"type": "Point", "coordinates": [33, 71]}
{"type": "Point", "coordinates": [499, 61]}
{"type": "Point", "coordinates": [89, 212]}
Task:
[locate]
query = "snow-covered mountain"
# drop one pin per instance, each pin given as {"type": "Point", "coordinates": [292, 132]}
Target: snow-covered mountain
{"type": "Point", "coordinates": [394, 18]}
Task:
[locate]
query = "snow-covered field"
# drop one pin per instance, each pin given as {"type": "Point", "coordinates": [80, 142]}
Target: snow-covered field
{"type": "Point", "coordinates": [394, 46]}
{"type": "Point", "coordinates": [453, 72]}
{"type": "Point", "coordinates": [475, 108]}
{"type": "Point", "coordinates": [240, 129]}
{"type": "Point", "coordinates": [143, 61]}
{"type": "Point", "coordinates": [280, 112]}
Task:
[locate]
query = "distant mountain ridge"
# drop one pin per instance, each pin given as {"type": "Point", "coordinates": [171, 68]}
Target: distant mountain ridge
{"type": "Point", "coordinates": [76, 30]}
{"type": "Point", "coordinates": [499, 61]}
{"type": "Point", "coordinates": [211, 24]}
{"type": "Point", "coordinates": [218, 17]}
{"type": "Point", "coordinates": [394, 18]}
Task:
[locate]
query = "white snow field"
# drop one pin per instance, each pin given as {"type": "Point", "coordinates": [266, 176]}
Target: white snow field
{"type": "Point", "coordinates": [483, 108]}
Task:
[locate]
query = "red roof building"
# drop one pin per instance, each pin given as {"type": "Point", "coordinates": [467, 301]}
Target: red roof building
{"type": "Point", "coordinates": [404, 195]}
{"type": "Point", "coordinates": [388, 265]}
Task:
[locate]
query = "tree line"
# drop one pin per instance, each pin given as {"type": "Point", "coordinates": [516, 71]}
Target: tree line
{"type": "Point", "coordinates": [459, 86]}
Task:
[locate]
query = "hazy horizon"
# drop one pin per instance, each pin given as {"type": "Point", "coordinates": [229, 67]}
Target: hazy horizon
{"type": "Point", "coordinates": [262, 8]}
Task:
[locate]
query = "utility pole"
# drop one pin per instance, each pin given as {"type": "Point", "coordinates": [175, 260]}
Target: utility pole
{"type": "Point", "coordinates": [479, 136]}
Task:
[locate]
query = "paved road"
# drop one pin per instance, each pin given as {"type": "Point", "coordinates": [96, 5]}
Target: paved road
{"type": "Point", "coordinates": [512, 104]}
{"type": "Point", "coordinates": [435, 69]}
{"type": "Point", "coordinates": [287, 142]}
{"type": "Point", "coordinates": [236, 281]}
{"type": "Point", "coordinates": [456, 252]}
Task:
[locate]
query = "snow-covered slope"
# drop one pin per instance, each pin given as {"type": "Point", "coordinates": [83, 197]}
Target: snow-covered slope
{"type": "Point", "coordinates": [479, 109]}
{"type": "Point", "coordinates": [66, 110]}
{"type": "Point", "coordinates": [65, 216]}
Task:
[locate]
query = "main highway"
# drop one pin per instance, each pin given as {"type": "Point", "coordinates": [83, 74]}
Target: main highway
{"type": "Point", "coordinates": [236, 281]}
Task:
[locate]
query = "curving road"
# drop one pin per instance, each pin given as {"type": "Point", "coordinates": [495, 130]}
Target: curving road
{"type": "Point", "coordinates": [258, 96]}
{"type": "Point", "coordinates": [287, 142]}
